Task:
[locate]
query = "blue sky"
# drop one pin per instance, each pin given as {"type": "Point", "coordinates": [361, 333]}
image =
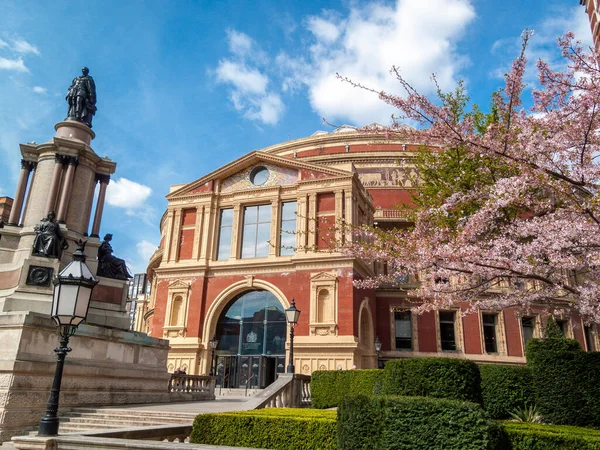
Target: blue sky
{"type": "Point", "coordinates": [187, 86]}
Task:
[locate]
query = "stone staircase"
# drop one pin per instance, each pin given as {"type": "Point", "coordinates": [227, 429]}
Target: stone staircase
{"type": "Point", "coordinates": [236, 392]}
{"type": "Point", "coordinates": [78, 420]}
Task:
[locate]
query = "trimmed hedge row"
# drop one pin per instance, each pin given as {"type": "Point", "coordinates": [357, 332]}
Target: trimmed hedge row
{"type": "Point", "coordinates": [529, 436]}
{"type": "Point", "coordinates": [329, 387]}
{"type": "Point", "coordinates": [387, 423]}
{"type": "Point", "coordinates": [505, 389]}
{"type": "Point", "coordinates": [276, 429]}
{"type": "Point", "coordinates": [566, 381]}
{"type": "Point", "coordinates": [451, 378]}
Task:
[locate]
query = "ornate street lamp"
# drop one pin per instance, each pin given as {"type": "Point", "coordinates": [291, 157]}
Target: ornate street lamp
{"type": "Point", "coordinates": [291, 315]}
{"type": "Point", "coordinates": [70, 303]}
{"type": "Point", "coordinates": [213, 346]}
{"type": "Point", "coordinates": [377, 345]}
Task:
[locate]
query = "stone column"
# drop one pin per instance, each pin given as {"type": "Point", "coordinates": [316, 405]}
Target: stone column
{"type": "Point", "coordinates": [339, 215]}
{"type": "Point", "coordinates": [104, 180]}
{"type": "Point", "coordinates": [312, 221]}
{"type": "Point", "coordinates": [236, 231]}
{"type": "Point", "coordinates": [65, 195]}
{"type": "Point", "coordinates": [59, 161]}
{"type": "Point", "coordinates": [168, 235]}
{"type": "Point", "coordinates": [90, 204]}
{"type": "Point", "coordinates": [15, 212]}
{"type": "Point", "coordinates": [275, 230]}
{"type": "Point", "coordinates": [302, 223]}
{"type": "Point", "coordinates": [28, 195]}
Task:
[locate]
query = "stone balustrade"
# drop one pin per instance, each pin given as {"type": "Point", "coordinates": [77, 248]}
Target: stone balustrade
{"type": "Point", "coordinates": [184, 387]}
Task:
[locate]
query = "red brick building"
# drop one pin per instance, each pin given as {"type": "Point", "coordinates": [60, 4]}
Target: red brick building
{"type": "Point", "coordinates": [239, 243]}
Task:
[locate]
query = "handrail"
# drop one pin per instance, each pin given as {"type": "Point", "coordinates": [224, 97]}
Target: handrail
{"type": "Point", "coordinates": [225, 378]}
{"type": "Point", "coordinates": [288, 391]}
{"type": "Point", "coordinates": [248, 381]}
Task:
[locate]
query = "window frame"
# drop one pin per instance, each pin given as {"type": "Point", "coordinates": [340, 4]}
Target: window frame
{"type": "Point", "coordinates": [240, 250]}
{"type": "Point", "coordinates": [220, 234]}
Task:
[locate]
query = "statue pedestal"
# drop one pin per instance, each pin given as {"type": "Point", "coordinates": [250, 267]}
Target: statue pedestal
{"type": "Point", "coordinates": [71, 129]}
{"type": "Point", "coordinates": [106, 367]}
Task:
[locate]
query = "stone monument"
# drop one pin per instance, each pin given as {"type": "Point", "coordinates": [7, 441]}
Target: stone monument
{"type": "Point", "coordinates": [51, 210]}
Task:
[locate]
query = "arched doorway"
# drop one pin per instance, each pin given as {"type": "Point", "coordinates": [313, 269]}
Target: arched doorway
{"type": "Point", "coordinates": [251, 331]}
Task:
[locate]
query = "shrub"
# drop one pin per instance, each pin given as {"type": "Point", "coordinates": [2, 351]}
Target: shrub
{"type": "Point", "coordinates": [505, 389]}
{"type": "Point", "coordinates": [277, 429]}
{"type": "Point", "coordinates": [566, 381]}
{"type": "Point", "coordinates": [527, 436]}
{"type": "Point", "coordinates": [329, 387]}
{"type": "Point", "coordinates": [433, 377]}
{"type": "Point", "coordinates": [387, 423]}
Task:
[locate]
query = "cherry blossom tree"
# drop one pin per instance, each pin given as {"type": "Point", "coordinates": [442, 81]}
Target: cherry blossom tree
{"type": "Point", "coordinates": [508, 210]}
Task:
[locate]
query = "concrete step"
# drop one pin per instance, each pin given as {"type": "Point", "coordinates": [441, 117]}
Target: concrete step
{"type": "Point", "coordinates": [180, 418]}
{"type": "Point", "coordinates": [236, 392]}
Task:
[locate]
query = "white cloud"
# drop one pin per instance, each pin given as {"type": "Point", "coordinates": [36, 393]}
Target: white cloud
{"type": "Point", "coordinates": [3, 43]}
{"type": "Point", "coordinates": [24, 47]}
{"type": "Point", "coordinates": [124, 193]}
{"type": "Point", "coordinates": [13, 64]}
{"type": "Point", "coordinates": [145, 249]}
{"type": "Point", "coordinates": [418, 37]}
{"type": "Point", "coordinates": [39, 90]}
{"type": "Point", "coordinates": [246, 77]}
{"type": "Point", "coordinates": [245, 80]}
{"type": "Point", "coordinates": [324, 30]}
{"type": "Point", "coordinates": [267, 109]}
{"type": "Point", "coordinates": [239, 43]}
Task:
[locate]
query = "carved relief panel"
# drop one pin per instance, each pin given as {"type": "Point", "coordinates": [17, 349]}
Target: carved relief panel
{"type": "Point", "coordinates": [323, 304]}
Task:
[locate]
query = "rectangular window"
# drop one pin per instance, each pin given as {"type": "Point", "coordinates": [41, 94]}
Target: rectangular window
{"type": "Point", "coordinates": [447, 333]}
{"type": "Point", "coordinates": [403, 326]}
{"type": "Point", "coordinates": [287, 229]}
{"type": "Point", "coordinates": [489, 332]}
{"type": "Point", "coordinates": [257, 231]}
{"type": "Point", "coordinates": [528, 325]}
{"type": "Point", "coordinates": [225, 228]}
{"type": "Point", "coordinates": [589, 338]}
{"type": "Point", "coordinates": [562, 325]}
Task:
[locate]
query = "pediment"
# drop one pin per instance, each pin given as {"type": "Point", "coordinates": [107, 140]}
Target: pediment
{"type": "Point", "coordinates": [179, 284]}
{"type": "Point", "coordinates": [324, 276]}
{"type": "Point", "coordinates": [237, 175]}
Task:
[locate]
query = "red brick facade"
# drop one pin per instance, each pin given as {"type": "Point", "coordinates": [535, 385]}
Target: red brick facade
{"type": "Point", "coordinates": [211, 255]}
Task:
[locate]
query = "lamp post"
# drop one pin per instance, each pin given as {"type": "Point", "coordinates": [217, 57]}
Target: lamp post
{"type": "Point", "coordinates": [291, 316]}
{"type": "Point", "coordinates": [377, 345]}
{"type": "Point", "coordinates": [70, 303]}
{"type": "Point", "coordinates": [213, 346]}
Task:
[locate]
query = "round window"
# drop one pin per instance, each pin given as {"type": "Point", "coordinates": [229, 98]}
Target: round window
{"type": "Point", "coordinates": [259, 175]}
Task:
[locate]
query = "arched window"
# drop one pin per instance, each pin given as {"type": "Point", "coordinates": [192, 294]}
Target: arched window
{"type": "Point", "coordinates": [176, 310]}
{"type": "Point", "coordinates": [252, 323]}
{"type": "Point", "coordinates": [366, 338]}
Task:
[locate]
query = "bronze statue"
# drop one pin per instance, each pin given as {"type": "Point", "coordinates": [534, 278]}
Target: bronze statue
{"type": "Point", "coordinates": [49, 241]}
{"type": "Point", "coordinates": [81, 98]}
{"type": "Point", "coordinates": [110, 266]}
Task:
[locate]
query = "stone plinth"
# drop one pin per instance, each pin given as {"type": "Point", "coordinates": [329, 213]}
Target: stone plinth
{"type": "Point", "coordinates": [106, 367]}
{"type": "Point", "coordinates": [71, 129]}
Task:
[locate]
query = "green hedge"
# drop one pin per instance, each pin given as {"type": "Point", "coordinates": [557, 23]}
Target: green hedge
{"type": "Point", "coordinates": [387, 423]}
{"type": "Point", "coordinates": [276, 429]}
{"type": "Point", "coordinates": [451, 378]}
{"type": "Point", "coordinates": [505, 389]}
{"type": "Point", "coordinates": [528, 436]}
{"type": "Point", "coordinates": [329, 387]}
{"type": "Point", "coordinates": [566, 381]}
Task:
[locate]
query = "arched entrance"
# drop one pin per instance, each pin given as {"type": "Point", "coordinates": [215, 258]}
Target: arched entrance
{"type": "Point", "coordinates": [251, 331]}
